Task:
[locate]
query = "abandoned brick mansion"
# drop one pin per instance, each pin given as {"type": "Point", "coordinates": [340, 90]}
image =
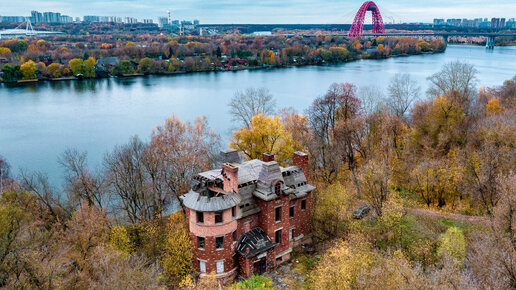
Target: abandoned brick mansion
{"type": "Point", "coordinates": [245, 218]}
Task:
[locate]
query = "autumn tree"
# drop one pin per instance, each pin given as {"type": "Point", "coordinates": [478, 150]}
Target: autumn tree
{"type": "Point", "coordinates": [492, 252]}
{"type": "Point", "coordinates": [436, 181]}
{"type": "Point", "coordinates": [81, 184]}
{"type": "Point", "coordinates": [372, 99]}
{"type": "Point", "coordinates": [403, 92]}
{"type": "Point", "coordinates": [350, 128]}
{"type": "Point", "coordinates": [246, 104]}
{"type": "Point", "coordinates": [492, 154]}
{"type": "Point", "coordinates": [456, 80]}
{"type": "Point", "coordinates": [77, 66]}
{"type": "Point", "coordinates": [265, 134]}
{"type": "Point", "coordinates": [89, 67]}
{"type": "Point", "coordinates": [147, 66]}
{"type": "Point", "coordinates": [297, 125]}
{"type": "Point", "coordinates": [184, 149]}
{"type": "Point", "coordinates": [53, 70]}
{"type": "Point", "coordinates": [331, 210]}
{"type": "Point", "coordinates": [177, 259]}
{"type": "Point", "coordinates": [4, 50]}
{"type": "Point", "coordinates": [374, 178]}
{"type": "Point", "coordinates": [131, 185]}
{"type": "Point", "coordinates": [438, 126]}
{"type": "Point", "coordinates": [331, 145]}
{"type": "Point", "coordinates": [28, 70]}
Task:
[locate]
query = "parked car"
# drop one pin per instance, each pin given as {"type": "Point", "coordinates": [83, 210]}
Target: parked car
{"type": "Point", "coordinates": [361, 212]}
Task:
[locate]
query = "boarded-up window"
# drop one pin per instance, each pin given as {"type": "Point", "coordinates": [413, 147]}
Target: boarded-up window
{"type": "Point", "coordinates": [220, 266]}
{"type": "Point", "coordinates": [202, 265]}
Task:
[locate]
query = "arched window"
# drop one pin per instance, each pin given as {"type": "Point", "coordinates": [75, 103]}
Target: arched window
{"type": "Point", "coordinates": [277, 188]}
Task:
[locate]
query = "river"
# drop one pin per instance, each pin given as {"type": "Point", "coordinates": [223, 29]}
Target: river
{"type": "Point", "coordinates": [39, 121]}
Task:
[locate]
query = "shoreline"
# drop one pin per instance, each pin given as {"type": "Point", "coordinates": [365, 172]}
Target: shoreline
{"type": "Point", "coordinates": [125, 76]}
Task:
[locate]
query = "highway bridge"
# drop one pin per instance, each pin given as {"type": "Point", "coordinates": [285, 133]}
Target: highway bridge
{"type": "Point", "coordinates": [28, 31]}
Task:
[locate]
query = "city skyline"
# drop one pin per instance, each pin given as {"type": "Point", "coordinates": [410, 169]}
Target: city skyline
{"type": "Point", "coordinates": [288, 11]}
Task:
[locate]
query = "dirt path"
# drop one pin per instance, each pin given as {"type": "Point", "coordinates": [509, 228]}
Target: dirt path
{"type": "Point", "coordinates": [477, 220]}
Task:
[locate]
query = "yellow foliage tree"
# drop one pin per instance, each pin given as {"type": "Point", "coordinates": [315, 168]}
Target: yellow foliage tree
{"type": "Point", "coordinates": [77, 66]}
{"type": "Point", "coordinates": [438, 129]}
{"type": "Point", "coordinates": [177, 256]}
{"type": "Point", "coordinates": [493, 107]}
{"type": "Point", "coordinates": [4, 50]}
{"type": "Point", "coordinates": [54, 70]}
{"type": "Point", "coordinates": [297, 125]}
{"type": "Point", "coordinates": [266, 134]}
{"type": "Point", "coordinates": [453, 243]}
{"type": "Point", "coordinates": [120, 239]}
{"type": "Point", "coordinates": [331, 209]}
{"type": "Point", "coordinates": [28, 70]}
{"type": "Point", "coordinates": [341, 266]}
{"type": "Point", "coordinates": [89, 67]}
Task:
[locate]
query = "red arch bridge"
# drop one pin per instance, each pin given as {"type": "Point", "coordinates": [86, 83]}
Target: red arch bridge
{"type": "Point", "coordinates": [357, 28]}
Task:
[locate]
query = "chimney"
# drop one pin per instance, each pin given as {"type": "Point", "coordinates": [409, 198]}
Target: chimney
{"type": "Point", "coordinates": [301, 159]}
{"type": "Point", "coordinates": [229, 155]}
{"type": "Point", "coordinates": [267, 157]}
{"type": "Point", "coordinates": [230, 174]}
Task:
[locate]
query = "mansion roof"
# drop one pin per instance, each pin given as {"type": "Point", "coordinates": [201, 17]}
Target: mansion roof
{"type": "Point", "coordinates": [256, 179]}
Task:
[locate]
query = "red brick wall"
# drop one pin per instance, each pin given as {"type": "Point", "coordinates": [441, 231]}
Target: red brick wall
{"type": "Point", "coordinates": [267, 157]}
{"type": "Point", "coordinates": [269, 224]}
{"type": "Point", "coordinates": [301, 159]}
{"type": "Point", "coordinates": [301, 220]}
{"type": "Point", "coordinates": [209, 230]}
{"type": "Point", "coordinates": [230, 174]}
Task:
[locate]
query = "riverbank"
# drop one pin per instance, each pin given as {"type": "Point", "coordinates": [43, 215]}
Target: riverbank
{"type": "Point", "coordinates": [365, 56]}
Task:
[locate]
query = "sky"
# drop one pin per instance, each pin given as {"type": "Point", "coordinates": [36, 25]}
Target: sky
{"type": "Point", "coordinates": [266, 11]}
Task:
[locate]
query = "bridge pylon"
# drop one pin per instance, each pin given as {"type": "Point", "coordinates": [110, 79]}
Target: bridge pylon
{"type": "Point", "coordinates": [490, 42]}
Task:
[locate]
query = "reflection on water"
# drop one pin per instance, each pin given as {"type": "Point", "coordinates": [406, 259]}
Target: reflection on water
{"type": "Point", "coordinates": [38, 121]}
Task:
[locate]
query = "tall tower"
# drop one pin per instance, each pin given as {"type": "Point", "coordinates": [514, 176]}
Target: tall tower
{"type": "Point", "coordinates": [169, 18]}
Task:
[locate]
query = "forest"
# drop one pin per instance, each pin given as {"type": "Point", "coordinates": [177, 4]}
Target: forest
{"type": "Point", "coordinates": [436, 168]}
{"type": "Point", "coordinates": [122, 55]}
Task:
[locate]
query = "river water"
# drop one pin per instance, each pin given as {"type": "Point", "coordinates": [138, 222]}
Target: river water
{"type": "Point", "coordinates": [39, 121]}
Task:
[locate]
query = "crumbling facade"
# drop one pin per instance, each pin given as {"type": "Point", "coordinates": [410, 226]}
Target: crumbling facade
{"type": "Point", "coordinates": [245, 218]}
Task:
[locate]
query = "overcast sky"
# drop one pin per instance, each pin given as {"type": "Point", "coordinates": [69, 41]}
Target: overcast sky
{"type": "Point", "coordinates": [266, 11]}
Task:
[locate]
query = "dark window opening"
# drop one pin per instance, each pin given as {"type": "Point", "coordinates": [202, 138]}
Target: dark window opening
{"type": "Point", "coordinates": [277, 188]}
{"type": "Point", "coordinates": [234, 236]}
{"type": "Point", "coordinates": [200, 217]}
{"type": "Point", "coordinates": [277, 237]}
{"type": "Point", "coordinates": [233, 211]}
{"type": "Point", "coordinates": [200, 242]}
{"type": "Point", "coordinates": [291, 212]}
{"type": "Point", "coordinates": [278, 214]}
{"type": "Point", "coordinates": [218, 217]}
{"type": "Point", "coordinates": [219, 243]}
{"type": "Point", "coordinates": [303, 204]}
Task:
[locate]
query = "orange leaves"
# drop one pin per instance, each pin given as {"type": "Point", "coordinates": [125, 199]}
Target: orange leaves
{"type": "Point", "coordinates": [184, 149]}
